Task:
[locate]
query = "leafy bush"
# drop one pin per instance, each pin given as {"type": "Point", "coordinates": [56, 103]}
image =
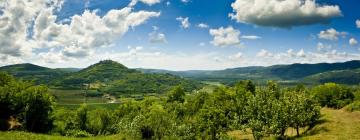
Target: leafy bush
{"type": "Point", "coordinates": [355, 106]}
{"type": "Point", "coordinates": [333, 95]}
{"type": "Point", "coordinates": [30, 105]}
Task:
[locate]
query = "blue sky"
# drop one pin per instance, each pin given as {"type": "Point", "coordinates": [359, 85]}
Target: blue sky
{"type": "Point", "coordinates": [165, 34]}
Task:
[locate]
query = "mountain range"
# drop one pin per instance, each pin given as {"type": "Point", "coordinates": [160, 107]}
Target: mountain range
{"type": "Point", "coordinates": [117, 75]}
{"type": "Point", "coordinates": [342, 72]}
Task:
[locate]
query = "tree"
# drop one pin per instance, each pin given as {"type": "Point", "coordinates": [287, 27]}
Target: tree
{"type": "Point", "coordinates": [333, 95]}
{"type": "Point", "coordinates": [245, 86]}
{"type": "Point", "coordinates": [176, 94]}
{"type": "Point", "coordinates": [82, 116]}
{"type": "Point", "coordinates": [38, 107]}
{"type": "Point", "coordinates": [31, 105]}
{"type": "Point", "coordinates": [101, 122]}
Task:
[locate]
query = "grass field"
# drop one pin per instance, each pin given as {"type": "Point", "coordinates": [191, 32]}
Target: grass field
{"type": "Point", "coordinates": [337, 125]}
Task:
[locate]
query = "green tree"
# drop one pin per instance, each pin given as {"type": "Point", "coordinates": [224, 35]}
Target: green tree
{"type": "Point", "coordinates": [245, 86]}
{"type": "Point", "coordinates": [31, 105]}
{"type": "Point", "coordinates": [38, 107]}
{"type": "Point", "coordinates": [333, 95]}
{"type": "Point", "coordinates": [176, 94]}
{"type": "Point", "coordinates": [82, 117]}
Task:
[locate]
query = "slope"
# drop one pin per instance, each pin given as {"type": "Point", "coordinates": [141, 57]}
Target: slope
{"type": "Point", "coordinates": [38, 74]}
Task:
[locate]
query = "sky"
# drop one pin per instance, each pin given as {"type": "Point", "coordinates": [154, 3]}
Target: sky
{"type": "Point", "coordinates": [178, 34]}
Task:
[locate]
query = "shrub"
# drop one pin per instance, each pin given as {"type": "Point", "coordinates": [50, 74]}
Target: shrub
{"type": "Point", "coordinates": [31, 105]}
{"type": "Point", "coordinates": [355, 106]}
{"type": "Point", "coordinates": [333, 95]}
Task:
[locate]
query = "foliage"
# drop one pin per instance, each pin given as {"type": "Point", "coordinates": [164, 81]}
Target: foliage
{"type": "Point", "coordinates": [176, 94]}
{"type": "Point", "coordinates": [333, 95]}
{"type": "Point", "coordinates": [265, 110]}
{"type": "Point", "coordinates": [355, 106]}
{"type": "Point", "coordinates": [30, 105]}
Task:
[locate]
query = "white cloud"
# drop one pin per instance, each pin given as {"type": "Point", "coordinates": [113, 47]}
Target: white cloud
{"type": "Point", "coordinates": [203, 25]}
{"type": "Point", "coordinates": [168, 3]}
{"type": "Point", "coordinates": [157, 37]}
{"type": "Point", "coordinates": [301, 53]}
{"type": "Point", "coordinates": [283, 13]}
{"type": "Point", "coordinates": [331, 34]}
{"type": "Point", "coordinates": [79, 38]}
{"type": "Point", "coordinates": [14, 21]}
{"type": "Point", "coordinates": [236, 56]}
{"type": "Point", "coordinates": [353, 42]}
{"type": "Point", "coordinates": [184, 22]}
{"type": "Point", "coordinates": [264, 53]}
{"type": "Point", "coordinates": [323, 48]}
{"type": "Point", "coordinates": [251, 37]}
{"type": "Point", "coordinates": [148, 2]}
{"type": "Point", "coordinates": [357, 23]}
{"type": "Point", "coordinates": [225, 37]}
{"type": "Point", "coordinates": [290, 53]}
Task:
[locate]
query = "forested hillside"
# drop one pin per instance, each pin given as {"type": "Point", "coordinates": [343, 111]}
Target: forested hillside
{"type": "Point", "coordinates": [106, 76]}
{"type": "Point", "coordinates": [293, 73]}
{"type": "Point", "coordinates": [38, 74]}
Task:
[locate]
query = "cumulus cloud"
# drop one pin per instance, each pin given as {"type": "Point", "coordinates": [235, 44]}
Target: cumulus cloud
{"type": "Point", "coordinates": [301, 53]}
{"type": "Point", "coordinates": [223, 37]}
{"type": "Point", "coordinates": [353, 42]}
{"type": "Point", "coordinates": [14, 21]}
{"type": "Point", "coordinates": [264, 53]}
{"type": "Point", "coordinates": [331, 34]}
{"type": "Point", "coordinates": [283, 13]}
{"type": "Point", "coordinates": [78, 38]}
{"type": "Point", "coordinates": [203, 25]}
{"type": "Point", "coordinates": [236, 56]}
{"type": "Point", "coordinates": [357, 23]}
{"type": "Point", "coordinates": [184, 22]}
{"type": "Point", "coordinates": [323, 48]}
{"type": "Point", "coordinates": [157, 37]}
{"type": "Point", "coordinates": [148, 2]}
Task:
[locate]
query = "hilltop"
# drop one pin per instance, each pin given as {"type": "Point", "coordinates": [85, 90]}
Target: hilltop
{"type": "Point", "coordinates": [114, 78]}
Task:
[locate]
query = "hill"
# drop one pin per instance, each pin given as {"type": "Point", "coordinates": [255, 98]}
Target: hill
{"type": "Point", "coordinates": [286, 74]}
{"type": "Point", "coordinates": [114, 78]}
{"type": "Point", "coordinates": [38, 74]}
{"type": "Point", "coordinates": [349, 77]}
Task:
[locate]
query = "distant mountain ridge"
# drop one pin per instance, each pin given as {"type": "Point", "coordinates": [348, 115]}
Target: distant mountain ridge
{"type": "Point", "coordinates": [105, 71]}
{"type": "Point", "coordinates": [293, 73]}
